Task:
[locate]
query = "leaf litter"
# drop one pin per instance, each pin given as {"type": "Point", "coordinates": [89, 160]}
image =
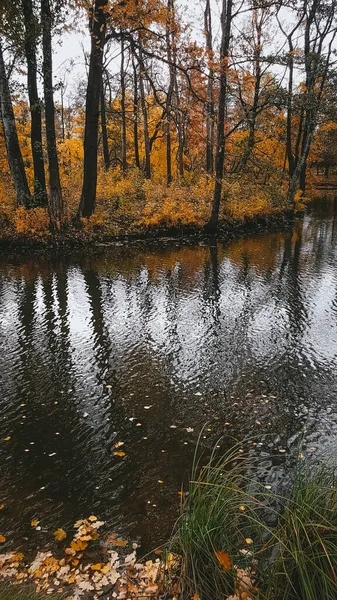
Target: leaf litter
{"type": "Point", "coordinates": [74, 575]}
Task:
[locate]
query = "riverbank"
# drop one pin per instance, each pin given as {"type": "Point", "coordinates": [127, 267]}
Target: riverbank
{"type": "Point", "coordinates": [138, 211]}
{"type": "Point", "coordinates": [235, 539]}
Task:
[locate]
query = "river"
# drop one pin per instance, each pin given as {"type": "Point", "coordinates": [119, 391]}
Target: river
{"type": "Point", "coordinates": [133, 349]}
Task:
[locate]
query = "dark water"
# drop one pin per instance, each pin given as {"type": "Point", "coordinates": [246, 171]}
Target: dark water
{"type": "Point", "coordinates": [241, 336]}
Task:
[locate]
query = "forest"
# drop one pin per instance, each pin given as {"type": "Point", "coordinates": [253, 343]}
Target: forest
{"type": "Point", "coordinates": [183, 115]}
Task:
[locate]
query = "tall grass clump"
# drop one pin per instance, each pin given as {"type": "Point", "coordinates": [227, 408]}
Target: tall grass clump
{"type": "Point", "coordinates": [305, 563]}
{"type": "Point", "coordinates": [238, 542]}
{"type": "Point", "coordinates": [218, 531]}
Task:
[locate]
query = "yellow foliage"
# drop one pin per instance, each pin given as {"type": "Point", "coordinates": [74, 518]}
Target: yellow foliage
{"type": "Point", "coordinates": [33, 222]}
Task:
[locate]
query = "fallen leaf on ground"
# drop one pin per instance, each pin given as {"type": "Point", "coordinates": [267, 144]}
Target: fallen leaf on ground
{"type": "Point", "coordinates": [7, 438]}
{"type": "Point", "coordinates": [34, 523]}
{"type": "Point", "coordinates": [119, 444]}
{"type": "Point", "coordinates": [60, 535]}
{"type": "Point", "coordinates": [96, 567]}
{"type": "Point", "coordinates": [248, 541]}
{"type": "Point", "coordinates": [224, 560]}
{"type": "Point", "coordinates": [2, 539]}
{"type": "Point", "coordinates": [119, 453]}
{"type": "Point", "coordinates": [92, 518]}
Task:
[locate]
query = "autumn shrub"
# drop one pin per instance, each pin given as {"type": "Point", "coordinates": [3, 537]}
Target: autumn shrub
{"type": "Point", "coordinates": [33, 222]}
{"type": "Point", "coordinates": [7, 226]}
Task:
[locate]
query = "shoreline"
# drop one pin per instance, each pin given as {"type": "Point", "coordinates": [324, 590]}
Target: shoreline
{"type": "Point", "coordinates": [78, 240]}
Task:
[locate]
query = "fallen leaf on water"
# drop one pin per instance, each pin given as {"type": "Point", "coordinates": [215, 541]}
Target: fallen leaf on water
{"type": "Point", "coordinates": [7, 438]}
{"type": "Point", "coordinates": [119, 454]}
{"type": "Point", "coordinates": [2, 539]}
{"type": "Point", "coordinates": [195, 597]}
{"type": "Point", "coordinates": [119, 542]}
{"type": "Point", "coordinates": [173, 427]}
{"type": "Point", "coordinates": [189, 429]}
{"type": "Point", "coordinates": [160, 481]}
{"type": "Point", "coordinates": [242, 507]}
{"type": "Point", "coordinates": [119, 444]}
{"type": "Point", "coordinates": [92, 518]}
{"type": "Point", "coordinates": [2, 506]}
{"type": "Point", "coordinates": [300, 455]}
{"type": "Point", "coordinates": [34, 523]}
{"type": "Point", "coordinates": [224, 560]}
{"type": "Point", "coordinates": [282, 450]}
{"type": "Point", "coordinates": [60, 535]}
{"type": "Point", "coordinates": [78, 545]}
{"type": "Point", "coordinates": [248, 541]}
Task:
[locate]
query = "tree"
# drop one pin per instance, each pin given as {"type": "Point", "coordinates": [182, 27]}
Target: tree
{"type": "Point", "coordinates": [31, 36]}
{"type": "Point", "coordinates": [14, 155]}
{"type": "Point", "coordinates": [210, 100]}
{"type": "Point", "coordinates": [55, 193]}
{"type": "Point", "coordinates": [226, 21]}
{"type": "Point", "coordinates": [97, 28]}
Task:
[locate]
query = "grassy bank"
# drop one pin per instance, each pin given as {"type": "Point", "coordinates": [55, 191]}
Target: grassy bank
{"type": "Point", "coordinates": [239, 540]}
{"type": "Point", "coordinates": [135, 208]}
{"type": "Point", "coordinates": [235, 539]}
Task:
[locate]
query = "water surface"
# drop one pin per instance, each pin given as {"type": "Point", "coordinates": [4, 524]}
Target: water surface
{"type": "Point", "coordinates": [146, 345]}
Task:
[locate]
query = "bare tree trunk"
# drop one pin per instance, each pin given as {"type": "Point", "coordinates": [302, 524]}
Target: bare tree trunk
{"type": "Point", "coordinates": [40, 192]}
{"type": "Point", "coordinates": [257, 27]}
{"type": "Point", "coordinates": [123, 108]}
{"type": "Point", "coordinates": [147, 169]}
{"type": "Point", "coordinates": [97, 27]}
{"type": "Point", "coordinates": [135, 113]}
{"type": "Point", "coordinates": [210, 100]}
{"type": "Point", "coordinates": [55, 193]}
{"type": "Point", "coordinates": [104, 131]}
{"type": "Point", "coordinates": [226, 20]}
{"type": "Point", "coordinates": [14, 155]}
{"type": "Point", "coordinates": [169, 26]}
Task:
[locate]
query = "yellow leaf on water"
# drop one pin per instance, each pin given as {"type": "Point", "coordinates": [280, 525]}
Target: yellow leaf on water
{"type": "Point", "coordinates": [92, 518]}
{"type": "Point", "coordinates": [119, 444]}
{"type": "Point", "coordinates": [6, 439]}
{"type": "Point", "coordinates": [2, 506]}
{"type": "Point", "coordinates": [248, 541]}
{"type": "Point", "coordinates": [60, 535]}
{"type": "Point", "coordinates": [34, 523]}
{"type": "Point", "coordinates": [96, 567]}
{"type": "Point", "coordinates": [160, 481]}
{"type": "Point", "coordinates": [242, 508]}
{"type": "Point", "coordinates": [224, 560]}
{"type": "Point", "coordinates": [2, 539]}
{"type": "Point", "coordinates": [119, 454]}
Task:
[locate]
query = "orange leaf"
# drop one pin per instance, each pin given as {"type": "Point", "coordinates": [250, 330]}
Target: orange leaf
{"type": "Point", "coordinates": [78, 545]}
{"type": "Point", "coordinates": [119, 454]}
{"type": "Point", "coordinates": [224, 560]}
{"type": "Point", "coordinates": [96, 567]}
{"type": "Point", "coordinates": [34, 523]}
{"type": "Point", "coordinates": [60, 535]}
{"type": "Point", "coordinates": [2, 539]}
{"type": "Point", "coordinates": [119, 542]}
